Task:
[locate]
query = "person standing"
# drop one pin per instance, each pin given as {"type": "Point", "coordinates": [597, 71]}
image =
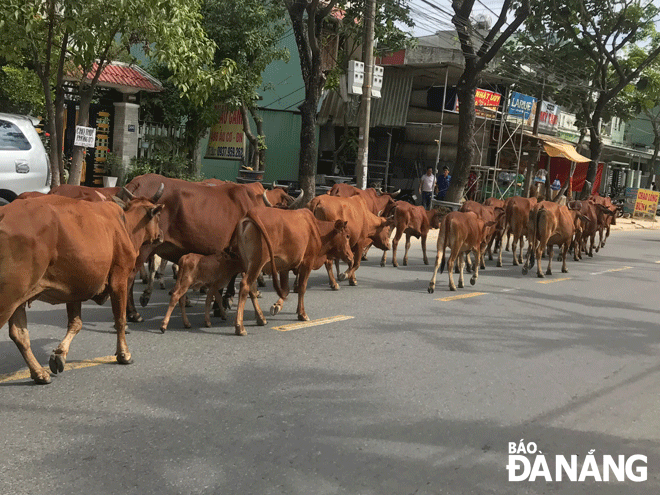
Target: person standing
{"type": "Point", "coordinates": [443, 183]}
{"type": "Point", "coordinates": [427, 186]}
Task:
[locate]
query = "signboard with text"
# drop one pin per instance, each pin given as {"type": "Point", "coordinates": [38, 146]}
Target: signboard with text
{"type": "Point", "coordinates": [647, 202]}
{"type": "Point", "coordinates": [227, 140]}
{"type": "Point", "coordinates": [85, 137]}
{"type": "Point", "coordinates": [521, 105]}
{"type": "Point", "coordinates": [485, 103]}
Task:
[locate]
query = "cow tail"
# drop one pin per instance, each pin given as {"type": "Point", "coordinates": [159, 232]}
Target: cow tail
{"type": "Point", "coordinates": [276, 279]}
{"type": "Point", "coordinates": [444, 244]}
{"type": "Point", "coordinates": [532, 237]}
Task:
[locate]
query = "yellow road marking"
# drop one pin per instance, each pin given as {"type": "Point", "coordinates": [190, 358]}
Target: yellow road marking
{"type": "Point", "coordinates": [461, 296]}
{"type": "Point", "coordinates": [657, 261]}
{"type": "Point", "coordinates": [312, 323]}
{"type": "Point", "coordinates": [619, 269]}
{"type": "Point", "coordinates": [553, 281]}
{"type": "Point", "coordinates": [72, 365]}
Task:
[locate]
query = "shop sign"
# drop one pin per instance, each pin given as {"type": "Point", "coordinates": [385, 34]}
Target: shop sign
{"type": "Point", "coordinates": [521, 105]}
{"type": "Point", "coordinates": [485, 103]}
{"type": "Point", "coordinates": [647, 202]}
{"type": "Point", "coordinates": [227, 140]}
{"type": "Point", "coordinates": [85, 137]}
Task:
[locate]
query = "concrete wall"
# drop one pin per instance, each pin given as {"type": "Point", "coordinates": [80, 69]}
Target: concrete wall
{"type": "Point", "coordinates": [125, 142]}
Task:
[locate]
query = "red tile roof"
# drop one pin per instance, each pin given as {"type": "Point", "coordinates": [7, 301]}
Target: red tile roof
{"type": "Point", "coordinates": [121, 74]}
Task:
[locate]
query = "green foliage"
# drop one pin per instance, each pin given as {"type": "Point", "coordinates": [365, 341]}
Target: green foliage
{"type": "Point", "coordinates": [176, 167]}
{"type": "Point", "coordinates": [20, 91]}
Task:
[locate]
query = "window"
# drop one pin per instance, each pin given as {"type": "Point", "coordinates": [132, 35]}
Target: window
{"type": "Point", "coordinates": [11, 137]}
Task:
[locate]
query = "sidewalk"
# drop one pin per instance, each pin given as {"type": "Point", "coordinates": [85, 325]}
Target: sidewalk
{"type": "Point", "coordinates": [636, 223]}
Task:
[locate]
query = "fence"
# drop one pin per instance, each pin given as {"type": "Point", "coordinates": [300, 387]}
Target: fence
{"type": "Point", "coordinates": [158, 138]}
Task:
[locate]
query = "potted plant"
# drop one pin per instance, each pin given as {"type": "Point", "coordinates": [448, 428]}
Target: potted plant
{"type": "Point", "coordinates": [115, 170]}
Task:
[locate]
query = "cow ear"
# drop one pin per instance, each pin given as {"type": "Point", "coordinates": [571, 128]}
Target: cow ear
{"type": "Point", "coordinates": [155, 210]}
{"type": "Point", "coordinates": [119, 202]}
{"type": "Point", "coordinates": [339, 225]}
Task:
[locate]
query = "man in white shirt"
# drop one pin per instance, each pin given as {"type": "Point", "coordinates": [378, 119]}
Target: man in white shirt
{"type": "Point", "coordinates": [427, 186]}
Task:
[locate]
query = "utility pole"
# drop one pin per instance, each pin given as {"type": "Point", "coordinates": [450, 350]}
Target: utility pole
{"type": "Point", "coordinates": [362, 162]}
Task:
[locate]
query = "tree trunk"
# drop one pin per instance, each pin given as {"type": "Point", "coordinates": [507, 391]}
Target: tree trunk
{"type": "Point", "coordinates": [52, 130]}
{"type": "Point", "coordinates": [261, 139]}
{"type": "Point", "coordinates": [83, 120]}
{"type": "Point", "coordinates": [466, 90]}
{"type": "Point", "coordinates": [307, 164]}
{"type": "Point", "coordinates": [252, 139]}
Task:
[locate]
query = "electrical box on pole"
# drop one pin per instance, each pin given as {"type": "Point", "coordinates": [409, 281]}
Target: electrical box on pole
{"type": "Point", "coordinates": [377, 84]}
{"type": "Point", "coordinates": [355, 77]}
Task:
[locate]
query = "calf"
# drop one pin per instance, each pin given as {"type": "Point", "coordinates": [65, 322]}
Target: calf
{"type": "Point", "coordinates": [608, 220]}
{"type": "Point", "coordinates": [487, 214]}
{"type": "Point", "coordinates": [414, 221]}
{"type": "Point", "coordinates": [517, 215]}
{"type": "Point", "coordinates": [195, 270]}
{"type": "Point", "coordinates": [550, 224]}
{"type": "Point", "coordinates": [462, 232]}
{"type": "Point", "coordinates": [363, 226]}
{"type": "Point", "coordinates": [61, 250]}
{"type": "Point", "coordinates": [291, 240]}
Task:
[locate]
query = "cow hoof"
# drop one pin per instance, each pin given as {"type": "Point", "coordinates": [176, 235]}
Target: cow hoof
{"type": "Point", "coordinates": [124, 358]}
{"type": "Point", "coordinates": [144, 300]}
{"type": "Point", "coordinates": [525, 270]}
{"type": "Point", "coordinates": [396, 265]}
{"type": "Point", "coordinates": [187, 325]}
{"type": "Point", "coordinates": [226, 303]}
{"type": "Point", "coordinates": [241, 331]}
{"type": "Point", "coordinates": [499, 264]}
{"type": "Point", "coordinates": [548, 272]}
{"type": "Point", "coordinates": [461, 285]}
{"type": "Point", "coordinates": [382, 263]}
{"type": "Point", "coordinates": [41, 378]}
{"type": "Point", "coordinates": [334, 287]}
{"type": "Point", "coordinates": [56, 363]}
{"type": "Point", "coordinates": [341, 277]}
{"type": "Point", "coordinates": [473, 281]}
{"type": "Point", "coordinates": [274, 309]}
{"type": "Point", "coordinates": [564, 270]}
{"type": "Point", "coordinates": [188, 304]}
{"type": "Point", "coordinates": [134, 318]}
{"type": "Point", "coordinates": [431, 289]}
{"type": "Point", "coordinates": [207, 324]}
{"type": "Point", "coordinates": [352, 283]}
{"type": "Point", "coordinates": [591, 255]}
{"type": "Point", "coordinates": [364, 257]}
{"type": "Point", "coordinates": [520, 260]}
{"type": "Point", "coordinates": [303, 317]}
{"type": "Point", "coordinates": [426, 261]}
{"type": "Point", "coordinates": [163, 328]}
{"type": "Point", "coordinates": [452, 288]}
{"type": "Point", "coordinates": [540, 275]}
{"type": "Point", "coordinates": [261, 321]}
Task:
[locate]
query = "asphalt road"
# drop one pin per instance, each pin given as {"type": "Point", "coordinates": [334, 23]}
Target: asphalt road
{"type": "Point", "coordinates": [412, 394]}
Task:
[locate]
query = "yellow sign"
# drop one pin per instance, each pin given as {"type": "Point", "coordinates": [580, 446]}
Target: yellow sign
{"type": "Point", "coordinates": [647, 202]}
{"type": "Point", "coordinates": [227, 141]}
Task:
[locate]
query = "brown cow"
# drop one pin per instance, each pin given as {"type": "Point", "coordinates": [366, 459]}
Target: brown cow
{"type": "Point", "coordinates": [487, 214]}
{"type": "Point", "coordinates": [463, 233]}
{"type": "Point", "coordinates": [609, 220]}
{"type": "Point", "coordinates": [517, 216]}
{"type": "Point", "coordinates": [198, 218]}
{"type": "Point", "coordinates": [85, 193]}
{"type": "Point", "coordinates": [213, 271]}
{"type": "Point", "coordinates": [414, 221]}
{"type": "Point", "coordinates": [596, 220]}
{"type": "Point", "coordinates": [364, 228]}
{"type": "Point", "coordinates": [377, 202]}
{"type": "Point", "coordinates": [291, 240]}
{"type": "Point", "coordinates": [550, 224]}
{"type": "Point", "coordinates": [61, 250]}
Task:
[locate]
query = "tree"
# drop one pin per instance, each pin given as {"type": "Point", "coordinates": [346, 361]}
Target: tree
{"type": "Point", "coordinates": [605, 32]}
{"type": "Point", "coordinates": [20, 91]}
{"type": "Point", "coordinates": [478, 51]}
{"type": "Point", "coordinates": [307, 18]}
{"type": "Point", "coordinates": [83, 37]}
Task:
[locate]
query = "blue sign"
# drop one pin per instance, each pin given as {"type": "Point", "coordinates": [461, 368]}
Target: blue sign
{"type": "Point", "coordinates": [521, 105]}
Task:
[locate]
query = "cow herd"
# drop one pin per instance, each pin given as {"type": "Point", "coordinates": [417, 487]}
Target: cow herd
{"type": "Point", "coordinates": [79, 243]}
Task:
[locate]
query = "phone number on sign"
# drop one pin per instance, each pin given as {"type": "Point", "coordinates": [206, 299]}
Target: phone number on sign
{"type": "Point", "coordinates": [228, 152]}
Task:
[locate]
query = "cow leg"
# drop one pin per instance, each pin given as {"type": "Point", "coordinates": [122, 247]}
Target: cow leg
{"type": "Point", "coordinates": [565, 251]}
{"type": "Point", "coordinates": [395, 244]}
{"type": "Point", "coordinates": [118, 300]}
{"type": "Point", "coordinates": [426, 259]}
{"type": "Point", "coordinates": [468, 262]}
{"type": "Point", "coordinates": [539, 252]}
{"type": "Point", "coordinates": [331, 277]}
{"type": "Point", "coordinates": [131, 312]}
{"type": "Point", "coordinates": [160, 273]}
{"type": "Point", "coordinates": [508, 238]}
{"type": "Point", "coordinates": [592, 240]}
{"type": "Point", "coordinates": [462, 261]}
{"type": "Point", "coordinates": [254, 297]}
{"type": "Point", "coordinates": [383, 259]}
{"type": "Point", "coordinates": [182, 285]}
{"type": "Point", "coordinates": [284, 283]}
{"type": "Point", "coordinates": [304, 276]}
{"type": "Point", "coordinates": [450, 270]}
{"type": "Point", "coordinates": [405, 254]}
{"type": "Point", "coordinates": [58, 357]}
{"type": "Point", "coordinates": [211, 294]}
{"type": "Point", "coordinates": [260, 280]}
{"type": "Point", "coordinates": [244, 289]}
{"type": "Point", "coordinates": [521, 240]}
{"type": "Point", "coordinates": [438, 256]}
{"type": "Point", "coordinates": [479, 259]}
{"type": "Point", "coordinates": [499, 252]}
{"type": "Point", "coordinates": [146, 294]}
{"type": "Point", "coordinates": [357, 258]}
{"type": "Point", "coordinates": [144, 274]}
{"type": "Point", "coordinates": [18, 332]}
{"type": "Point", "coordinates": [551, 253]}
{"type": "Point", "coordinates": [228, 298]}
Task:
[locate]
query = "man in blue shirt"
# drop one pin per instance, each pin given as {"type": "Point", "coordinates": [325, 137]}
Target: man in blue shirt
{"type": "Point", "coordinates": [443, 183]}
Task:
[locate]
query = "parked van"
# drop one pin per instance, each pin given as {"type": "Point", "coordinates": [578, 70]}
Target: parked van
{"type": "Point", "coordinates": [24, 163]}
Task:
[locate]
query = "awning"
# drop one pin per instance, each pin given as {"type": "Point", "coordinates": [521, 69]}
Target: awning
{"type": "Point", "coordinates": [555, 146]}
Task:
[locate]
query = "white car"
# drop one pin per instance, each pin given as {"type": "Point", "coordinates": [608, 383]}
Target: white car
{"type": "Point", "coordinates": [24, 163]}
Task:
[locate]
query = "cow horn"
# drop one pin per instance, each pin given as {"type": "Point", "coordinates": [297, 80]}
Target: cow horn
{"type": "Point", "coordinates": [396, 193]}
{"type": "Point", "coordinates": [297, 201]}
{"type": "Point", "coordinates": [125, 194]}
{"type": "Point", "coordinates": [119, 201]}
{"type": "Point", "coordinates": [274, 184]}
{"type": "Point", "coordinates": [266, 200]}
{"type": "Point", "coordinates": [159, 193]}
